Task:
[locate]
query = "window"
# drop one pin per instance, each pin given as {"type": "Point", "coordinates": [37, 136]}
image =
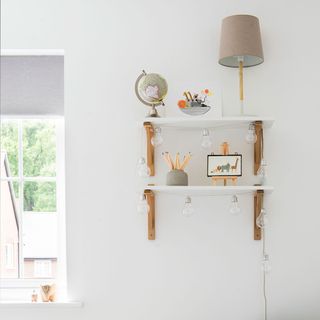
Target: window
{"type": "Point", "coordinates": [42, 269]}
{"type": "Point", "coordinates": [32, 198]}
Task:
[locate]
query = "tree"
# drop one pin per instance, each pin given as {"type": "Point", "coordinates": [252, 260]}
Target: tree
{"type": "Point", "coordinates": [39, 159]}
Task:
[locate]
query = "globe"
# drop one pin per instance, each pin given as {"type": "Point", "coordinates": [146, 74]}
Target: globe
{"type": "Point", "coordinates": [151, 88]}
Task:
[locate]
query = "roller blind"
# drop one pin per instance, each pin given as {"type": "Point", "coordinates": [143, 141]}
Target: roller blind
{"type": "Point", "coordinates": [32, 85]}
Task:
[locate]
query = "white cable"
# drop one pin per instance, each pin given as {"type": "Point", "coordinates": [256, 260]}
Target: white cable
{"type": "Point", "coordinates": [263, 230]}
{"type": "Point", "coordinates": [263, 233]}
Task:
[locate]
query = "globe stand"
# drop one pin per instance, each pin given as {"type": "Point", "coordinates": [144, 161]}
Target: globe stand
{"type": "Point", "coordinates": [153, 113]}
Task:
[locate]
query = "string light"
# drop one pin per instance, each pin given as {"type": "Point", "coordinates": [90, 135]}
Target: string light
{"type": "Point", "coordinates": [157, 138]}
{"type": "Point", "coordinates": [262, 219]}
{"type": "Point", "coordinates": [206, 140]}
{"type": "Point", "coordinates": [188, 209]}
{"type": "Point", "coordinates": [234, 206]}
{"type": "Point", "coordinates": [262, 171]}
{"type": "Point", "coordinates": [142, 168]}
{"type": "Point", "coordinates": [143, 206]}
{"type": "Point", "coordinates": [251, 136]}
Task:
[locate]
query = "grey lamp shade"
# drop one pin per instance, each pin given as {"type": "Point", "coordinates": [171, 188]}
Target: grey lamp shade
{"type": "Point", "coordinates": [240, 37]}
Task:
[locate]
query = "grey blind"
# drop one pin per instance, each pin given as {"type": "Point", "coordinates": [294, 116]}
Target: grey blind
{"type": "Point", "coordinates": [32, 85]}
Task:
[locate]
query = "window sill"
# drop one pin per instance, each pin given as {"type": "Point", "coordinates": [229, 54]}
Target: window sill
{"type": "Point", "coordinates": [41, 305]}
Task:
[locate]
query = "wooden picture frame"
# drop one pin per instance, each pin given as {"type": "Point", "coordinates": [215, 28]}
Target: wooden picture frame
{"type": "Point", "coordinates": [219, 165]}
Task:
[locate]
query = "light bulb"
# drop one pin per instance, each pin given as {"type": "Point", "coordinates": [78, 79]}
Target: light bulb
{"type": "Point", "coordinates": [143, 206]}
{"type": "Point", "coordinates": [234, 205]}
{"type": "Point", "coordinates": [188, 209]}
{"type": "Point", "coordinates": [262, 220]}
{"type": "Point", "coordinates": [157, 139]}
{"type": "Point", "coordinates": [142, 168]}
{"type": "Point", "coordinates": [265, 263]}
{"type": "Point", "coordinates": [206, 141]}
{"type": "Point", "coordinates": [251, 136]}
{"type": "Point", "coordinates": [262, 171]}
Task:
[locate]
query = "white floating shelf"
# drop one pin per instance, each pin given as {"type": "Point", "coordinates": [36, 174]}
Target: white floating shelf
{"type": "Point", "coordinates": [198, 122]}
{"type": "Point", "coordinates": [208, 190]}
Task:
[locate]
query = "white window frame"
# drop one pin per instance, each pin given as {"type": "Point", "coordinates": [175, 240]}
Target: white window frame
{"type": "Point", "coordinates": [9, 256]}
{"type": "Point", "coordinates": [61, 279]}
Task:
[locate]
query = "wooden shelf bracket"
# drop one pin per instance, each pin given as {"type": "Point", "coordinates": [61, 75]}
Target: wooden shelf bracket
{"type": "Point", "coordinates": [258, 202]}
{"type": "Point", "coordinates": [258, 146]}
{"type": "Point", "coordinates": [150, 197]}
{"type": "Point", "coordinates": [151, 214]}
{"type": "Point", "coordinates": [150, 148]}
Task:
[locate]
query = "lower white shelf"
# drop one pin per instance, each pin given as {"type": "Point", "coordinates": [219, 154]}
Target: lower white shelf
{"type": "Point", "coordinates": [208, 190]}
{"type": "Point", "coordinates": [41, 305]}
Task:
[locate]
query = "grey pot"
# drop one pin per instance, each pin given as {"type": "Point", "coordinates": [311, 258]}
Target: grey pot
{"type": "Point", "coordinates": [177, 178]}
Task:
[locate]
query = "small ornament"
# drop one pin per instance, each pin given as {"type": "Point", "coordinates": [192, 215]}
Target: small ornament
{"type": "Point", "coordinates": [34, 296]}
{"type": "Point", "coordinates": [194, 105]}
{"type": "Point", "coordinates": [48, 293]}
{"type": "Point", "coordinates": [151, 89]}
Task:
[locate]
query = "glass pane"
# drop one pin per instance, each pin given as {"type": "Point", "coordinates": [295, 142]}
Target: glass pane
{"type": "Point", "coordinates": [39, 148]}
{"type": "Point", "coordinates": [9, 147]}
{"type": "Point", "coordinates": [40, 245]}
{"type": "Point", "coordinates": [39, 196]}
{"type": "Point", "coordinates": [9, 249]}
{"type": "Point", "coordinates": [15, 185]}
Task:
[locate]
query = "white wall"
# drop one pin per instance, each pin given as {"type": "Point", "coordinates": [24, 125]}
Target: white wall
{"type": "Point", "coordinates": [206, 267]}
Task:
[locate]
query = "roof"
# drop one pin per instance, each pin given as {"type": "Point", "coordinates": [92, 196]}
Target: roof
{"type": "Point", "coordinates": [5, 163]}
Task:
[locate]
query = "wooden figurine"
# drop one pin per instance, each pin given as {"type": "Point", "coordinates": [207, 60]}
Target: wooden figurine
{"type": "Point", "coordinates": [48, 293]}
{"type": "Point", "coordinates": [34, 296]}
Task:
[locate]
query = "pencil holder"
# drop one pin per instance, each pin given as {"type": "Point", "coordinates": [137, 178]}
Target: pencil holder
{"type": "Point", "coordinates": [177, 177]}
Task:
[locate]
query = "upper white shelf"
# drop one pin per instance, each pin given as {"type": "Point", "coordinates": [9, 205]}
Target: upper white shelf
{"type": "Point", "coordinates": [200, 122]}
{"type": "Point", "coordinates": [208, 190]}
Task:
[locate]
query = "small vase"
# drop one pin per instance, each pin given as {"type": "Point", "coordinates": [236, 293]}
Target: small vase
{"type": "Point", "coordinates": [177, 178]}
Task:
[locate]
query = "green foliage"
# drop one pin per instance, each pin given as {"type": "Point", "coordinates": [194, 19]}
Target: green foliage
{"type": "Point", "coordinates": [39, 196]}
{"type": "Point", "coordinates": [39, 149]}
{"type": "Point", "coordinates": [9, 143]}
{"type": "Point", "coordinates": [39, 159]}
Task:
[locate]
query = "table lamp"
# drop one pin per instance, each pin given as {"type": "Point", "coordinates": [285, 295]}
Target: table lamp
{"type": "Point", "coordinates": [240, 45]}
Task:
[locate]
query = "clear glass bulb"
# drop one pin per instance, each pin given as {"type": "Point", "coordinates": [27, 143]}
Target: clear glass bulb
{"type": "Point", "coordinates": [143, 206]}
{"type": "Point", "coordinates": [188, 209]}
{"type": "Point", "coordinates": [206, 140]}
{"type": "Point", "coordinates": [234, 205]}
{"type": "Point", "coordinates": [251, 136]}
{"type": "Point", "coordinates": [157, 138]}
{"type": "Point", "coordinates": [265, 263]}
{"type": "Point", "coordinates": [262, 171]}
{"type": "Point", "coordinates": [262, 219]}
{"type": "Point", "coordinates": [142, 168]}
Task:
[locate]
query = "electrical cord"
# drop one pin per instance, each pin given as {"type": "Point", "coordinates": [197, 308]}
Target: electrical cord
{"type": "Point", "coordinates": [264, 275]}
{"type": "Point", "coordinates": [264, 253]}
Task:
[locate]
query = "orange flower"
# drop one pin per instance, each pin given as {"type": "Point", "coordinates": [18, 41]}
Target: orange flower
{"type": "Point", "coordinates": [182, 104]}
{"type": "Point", "coordinates": [207, 92]}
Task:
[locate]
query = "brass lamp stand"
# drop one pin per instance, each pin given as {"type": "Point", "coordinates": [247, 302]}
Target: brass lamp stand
{"type": "Point", "coordinates": [240, 46]}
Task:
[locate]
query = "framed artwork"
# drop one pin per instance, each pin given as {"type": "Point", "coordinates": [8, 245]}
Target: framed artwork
{"type": "Point", "coordinates": [224, 165]}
